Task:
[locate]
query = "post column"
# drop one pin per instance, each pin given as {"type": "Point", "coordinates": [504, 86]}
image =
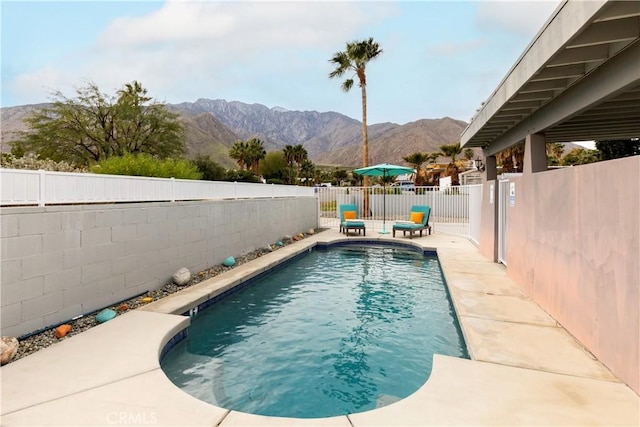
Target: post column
{"type": "Point", "coordinates": [535, 153]}
{"type": "Point", "coordinates": [489, 214]}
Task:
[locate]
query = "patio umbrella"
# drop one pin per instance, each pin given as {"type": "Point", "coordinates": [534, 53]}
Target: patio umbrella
{"type": "Point", "coordinates": [384, 170]}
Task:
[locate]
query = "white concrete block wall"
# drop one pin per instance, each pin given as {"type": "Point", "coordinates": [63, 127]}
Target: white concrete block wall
{"type": "Point", "coordinates": [58, 262]}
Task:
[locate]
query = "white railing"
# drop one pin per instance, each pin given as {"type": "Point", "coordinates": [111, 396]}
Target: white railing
{"type": "Point", "coordinates": [454, 209]}
{"type": "Point", "coordinates": [29, 187]}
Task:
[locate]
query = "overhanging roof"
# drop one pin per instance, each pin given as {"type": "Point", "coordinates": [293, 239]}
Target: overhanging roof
{"type": "Point", "coordinates": [579, 79]}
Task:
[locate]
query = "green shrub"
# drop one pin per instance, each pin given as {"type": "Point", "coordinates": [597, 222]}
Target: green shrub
{"type": "Point", "coordinates": [210, 170]}
{"type": "Point", "coordinates": [32, 162]}
{"type": "Point", "coordinates": [147, 165]}
{"type": "Point", "coordinates": [241, 176]}
{"type": "Point", "coordinates": [275, 181]}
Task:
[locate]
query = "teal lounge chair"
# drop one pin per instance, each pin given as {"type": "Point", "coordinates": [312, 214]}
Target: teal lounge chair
{"type": "Point", "coordinates": [351, 224]}
{"type": "Point", "coordinates": [412, 227]}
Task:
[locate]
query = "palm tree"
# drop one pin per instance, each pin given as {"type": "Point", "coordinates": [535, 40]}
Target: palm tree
{"type": "Point", "coordinates": [452, 151]}
{"type": "Point", "coordinates": [255, 153]}
{"type": "Point", "coordinates": [289, 156]}
{"type": "Point", "coordinates": [239, 153]}
{"type": "Point", "coordinates": [355, 59]}
{"type": "Point", "coordinates": [307, 171]}
{"type": "Point", "coordinates": [299, 156]}
{"type": "Point", "coordinates": [248, 154]}
{"type": "Point", "coordinates": [417, 160]}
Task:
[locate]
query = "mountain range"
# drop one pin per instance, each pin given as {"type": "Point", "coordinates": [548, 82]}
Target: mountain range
{"type": "Point", "coordinates": [330, 138]}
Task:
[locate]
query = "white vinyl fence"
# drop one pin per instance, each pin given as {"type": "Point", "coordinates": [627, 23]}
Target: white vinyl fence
{"type": "Point", "coordinates": [454, 210]}
{"type": "Point", "coordinates": [27, 187]}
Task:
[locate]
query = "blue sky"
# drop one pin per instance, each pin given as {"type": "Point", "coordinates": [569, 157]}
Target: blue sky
{"type": "Point", "coordinates": [441, 58]}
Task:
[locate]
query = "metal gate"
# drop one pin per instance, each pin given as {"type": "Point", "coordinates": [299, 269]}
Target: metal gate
{"type": "Point", "coordinates": [503, 201]}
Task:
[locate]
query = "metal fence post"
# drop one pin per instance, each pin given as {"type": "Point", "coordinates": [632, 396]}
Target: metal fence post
{"type": "Point", "coordinates": [173, 189]}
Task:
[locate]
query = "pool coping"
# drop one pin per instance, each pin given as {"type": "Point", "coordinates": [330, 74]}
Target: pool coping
{"type": "Point", "coordinates": [524, 369]}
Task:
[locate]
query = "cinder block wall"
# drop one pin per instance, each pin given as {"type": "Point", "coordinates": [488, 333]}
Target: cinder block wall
{"type": "Point", "coordinates": [62, 261]}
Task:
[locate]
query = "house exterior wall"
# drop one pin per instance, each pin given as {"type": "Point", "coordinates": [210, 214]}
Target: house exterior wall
{"type": "Point", "coordinates": [58, 262]}
{"type": "Point", "coordinates": [573, 246]}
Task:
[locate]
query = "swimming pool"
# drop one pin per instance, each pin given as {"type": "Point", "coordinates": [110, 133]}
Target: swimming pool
{"type": "Point", "coordinates": [337, 331]}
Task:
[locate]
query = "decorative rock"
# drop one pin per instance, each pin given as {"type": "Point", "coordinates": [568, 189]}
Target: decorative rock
{"type": "Point", "coordinates": [279, 243]}
{"type": "Point", "coordinates": [123, 307]}
{"type": "Point", "coordinates": [8, 349]}
{"type": "Point", "coordinates": [296, 238]}
{"type": "Point", "coordinates": [229, 261]}
{"type": "Point", "coordinates": [104, 315]}
{"type": "Point", "coordinates": [146, 299]}
{"type": "Point", "coordinates": [62, 330]}
{"type": "Point", "coordinates": [311, 231]}
{"type": "Point", "coordinates": [287, 238]}
{"type": "Point", "coordinates": [300, 235]}
{"type": "Point", "coordinates": [182, 277]}
{"type": "Point", "coordinates": [268, 248]}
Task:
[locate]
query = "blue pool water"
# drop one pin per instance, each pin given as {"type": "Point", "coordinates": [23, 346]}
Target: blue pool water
{"type": "Point", "coordinates": [334, 332]}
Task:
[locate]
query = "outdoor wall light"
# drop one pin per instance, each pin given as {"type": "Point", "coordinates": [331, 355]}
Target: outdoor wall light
{"type": "Point", "coordinates": [479, 164]}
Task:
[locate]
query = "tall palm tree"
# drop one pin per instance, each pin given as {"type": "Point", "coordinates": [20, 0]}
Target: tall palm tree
{"type": "Point", "coordinates": [355, 59]}
{"type": "Point", "coordinates": [417, 160]}
{"type": "Point", "coordinates": [452, 151]}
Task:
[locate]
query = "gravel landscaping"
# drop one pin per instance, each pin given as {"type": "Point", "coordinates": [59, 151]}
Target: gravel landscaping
{"type": "Point", "coordinates": [44, 339]}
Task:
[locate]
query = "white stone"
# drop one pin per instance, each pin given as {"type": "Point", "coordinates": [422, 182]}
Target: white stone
{"type": "Point", "coordinates": [182, 276]}
{"type": "Point", "coordinates": [8, 349]}
{"type": "Point", "coordinates": [287, 238]}
{"type": "Point", "coordinates": [311, 231]}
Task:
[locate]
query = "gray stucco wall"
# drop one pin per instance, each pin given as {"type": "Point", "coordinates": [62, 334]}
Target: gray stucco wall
{"type": "Point", "coordinates": [62, 261]}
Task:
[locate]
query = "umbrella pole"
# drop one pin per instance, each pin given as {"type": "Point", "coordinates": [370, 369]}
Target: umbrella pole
{"type": "Point", "coordinates": [384, 205]}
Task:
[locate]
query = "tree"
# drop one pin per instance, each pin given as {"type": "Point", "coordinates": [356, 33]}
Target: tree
{"type": "Point", "coordinates": [255, 153]}
{"type": "Point", "coordinates": [289, 156]}
{"type": "Point", "coordinates": [554, 153]}
{"type": "Point", "coordinates": [452, 151]}
{"type": "Point", "coordinates": [210, 170]}
{"type": "Point", "coordinates": [615, 149]}
{"type": "Point", "coordinates": [580, 156]}
{"type": "Point", "coordinates": [355, 59]}
{"type": "Point", "coordinates": [299, 156]}
{"type": "Point", "coordinates": [274, 166]}
{"type": "Point", "coordinates": [307, 171]}
{"type": "Point", "coordinates": [240, 153]}
{"type": "Point", "coordinates": [94, 126]}
{"type": "Point", "coordinates": [417, 160]}
{"type": "Point", "coordinates": [468, 154]}
{"type": "Point", "coordinates": [248, 154]}
{"type": "Point", "coordinates": [512, 158]}
{"type": "Point", "coordinates": [340, 175]}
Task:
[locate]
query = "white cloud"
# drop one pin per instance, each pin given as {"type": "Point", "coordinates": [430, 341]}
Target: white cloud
{"type": "Point", "coordinates": [47, 80]}
{"type": "Point", "coordinates": [190, 49]}
{"type": "Point", "coordinates": [523, 18]}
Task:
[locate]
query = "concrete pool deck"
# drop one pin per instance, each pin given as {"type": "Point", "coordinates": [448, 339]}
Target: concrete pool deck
{"type": "Point", "coordinates": [525, 368]}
